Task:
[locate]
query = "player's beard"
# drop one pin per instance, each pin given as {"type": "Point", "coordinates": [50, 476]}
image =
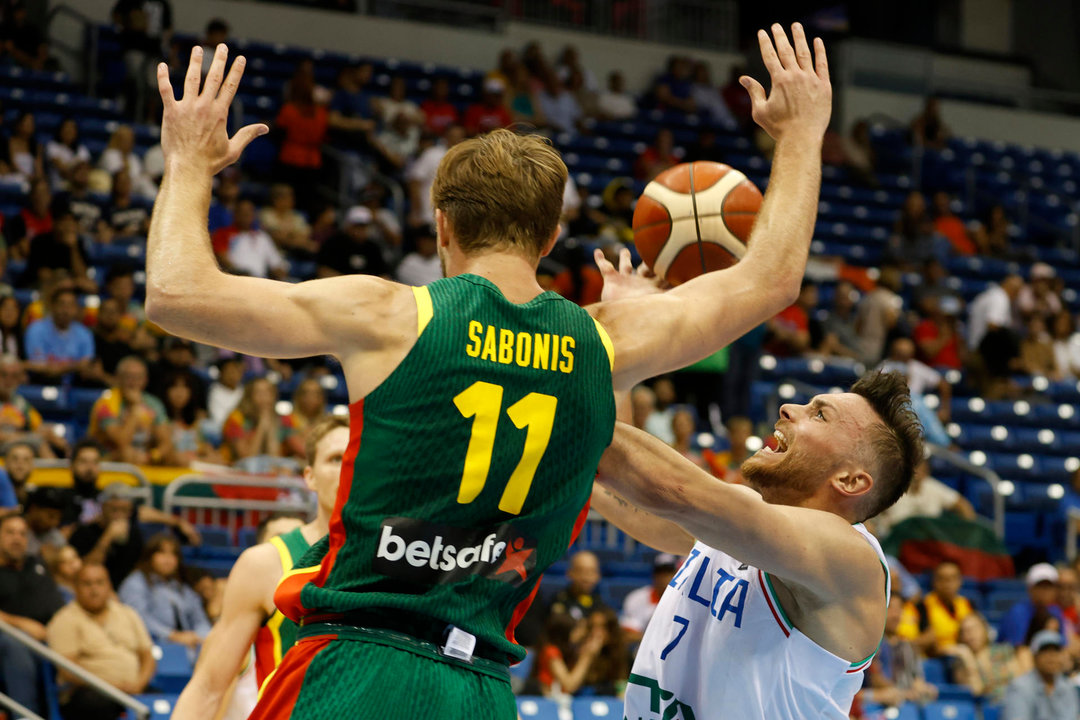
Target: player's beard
{"type": "Point", "coordinates": [788, 481]}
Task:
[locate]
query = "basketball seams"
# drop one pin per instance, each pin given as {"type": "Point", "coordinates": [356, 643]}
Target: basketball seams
{"type": "Point", "coordinates": [697, 221]}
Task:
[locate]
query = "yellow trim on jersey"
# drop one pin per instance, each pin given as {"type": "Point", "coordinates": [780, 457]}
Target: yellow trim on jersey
{"type": "Point", "coordinates": [283, 553]}
{"type": "Point", "coordinates": [274, 626]}
{"type": "Point", "coordinates": [606, 340]}
{"type": "Point", "coordinates": [298, 571]}
{"type": "Point", "coordinates": [266, 682]}
{"type": "Point", "coordinates": [424, 310]}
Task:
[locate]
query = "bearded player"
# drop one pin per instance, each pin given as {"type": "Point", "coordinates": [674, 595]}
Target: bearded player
{"type": "Point", "coordinates": [780, 606]}
{"type": "Point", "coordinates": [480, 405]}
{"type": "Point", "coordinates": [248, 615]}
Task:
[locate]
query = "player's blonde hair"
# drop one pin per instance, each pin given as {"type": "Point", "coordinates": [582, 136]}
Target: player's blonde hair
{"type": "Point", "coordinates": [318, 431]}
{"type": "Point", "coordinates": [501, 190]}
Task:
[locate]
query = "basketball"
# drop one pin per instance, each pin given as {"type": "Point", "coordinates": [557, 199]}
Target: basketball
{"type": "Point", "coordinates": [695, 218]}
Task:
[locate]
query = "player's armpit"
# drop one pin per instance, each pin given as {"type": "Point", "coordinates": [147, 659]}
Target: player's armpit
{"type": "Point", "coordinates": [816, 550]}
{"type": "Point", "coordinates": [646, 528]}
{"type": "Point", "coordinates": [247, 593]}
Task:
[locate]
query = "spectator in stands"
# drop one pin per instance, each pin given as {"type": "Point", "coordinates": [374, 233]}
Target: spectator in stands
{"type": "Point", "coordinates": [948, 225]}
{"type": "Point", "coordinates": [707, 98]}
{"type": "Point", "coordinates": [523, 101]}
{"type": "Point", "coordinates": [896, 675]}
{"type": "Point", "coordinates": [64, 567]}
{"type": "Point", "coordinates": [937, 335]}
{"type": "Point", "coordinates": [927, 497]}
{"type": "Point", "coordinates": [82, 203]}
{"type": "Point", "coordinates": [178, 358]}
{"type": "Point", "coordinates": [1066, 341]}
{"type": "Point", "coordinates": [309, 406]}
{"type": "Point", "coordinates": [421, 175]}
{"type": "Point", "coordinates": [397, 103]}
{"type": "Point", "coordinates": [303, 124]}
{"type": "Point", "coordinates": [736, 98]}
{"type": "Point", "coordinates": [922, 380]}
{"type": "Point", "coordinates": [532, 57]}
{"type": "Point", "coordinates": [23, 40]}
{"type": "Point", "coordinates": [878, 313]}
{"type": "Point", "coordinates": [1044, 692]}
{"type": "Point", "coordinates": [171, 608]}
{"type": "Point", "coordinates": [914, 239]}
{"type": "Point", "coordinates": [19, 421]}
{"type": "Point", "coordinates": [351, 119]}
{"type": "Point", "coordinates": [60, 249]}
{"type": "Point", "coordinates": [860, 159]}
{"type": "Point", "coordinates": [568, 650]}
{"type": "Point", "coordinates": [120, 155]}
{"type": "Point", "coordinates": [11, 335]}
{"type": "Point", "coordinates": [28, 600]}
{"type": "Point", "coordinates": [789, 330]}
{"type": "Point", "coordinates": [1041, 581]}
{"type": "Point", "coordinates": [643, 402]}
{"type": "Point", "coordinates": [111, 536]}
{"type": "Point", "coordinates": [216, 33]}
{"type": "Point", "coordinates": [839, 336]}
{"type": "Point", "coordinates": [706, 147]}
{"type": "Point", "coordinates": [568, 63]}
{"type": "Point", "coordinates": [616, 103]}
{"type": "Point", "coordinates": [1068, 598]}
{"type": "Point", "coordinates": [35, 218]}
{"type": "Point", "coordinates": [607, 674]}
{"type": "Point", "coordinates": [58, 346]}
{"type": "Point", "coordinates": [928, 129]}
{"type": "Point", "coordinates": [184, 420]}
{"type": "Point", "coordinates": [490, 112]}
{"type": "Point", "coordinates": [120, 284]}
{"type": "Point", "coordinates": [584, 95]}
{"type": "Point", "coordinates": [993, 236]}
{"type": "Point", "coordinates": [19, 458]}
{"type": "Point", "coordinates": [254, 428]}
{"type": "Point", "coordinates": [126, 216]}
{"type": "Point", "coordinates": [129, 422]}
{"type": "Point", "coordinates": [659, 156]}
{"type": "Point", "coordinates": [639, 605]}
{"type": "Point", "coordinates": [245, 249]}
{"type": "Point", "coordinates": [1038, 297]}
{"type": "Point", "coordinates": [1037, 350]}
{"type": "Point", "coordinates": [682, 426]}
{"type": "Point", "coordinates": [991, 331]}
{"type": "Point", "coordinates": [422, 266]}
{"type": "Point", "coordinates": [674, 88]}
{"type": "Point", "coordinates": [385, 227]}
{"type": "Point", "coordinates": [224, 204]}
{"type": "Point", "coordinates": [285, 224]}
{"type": "Point", "coordinates": [985, 667]}
{"type": "Point", "coordinates": [727, 463]}
{"type": "Point", "coordinates": [439, 112]}
{"type": "Point", "coordinates": [112, 340]}
{"type": "Point", "coordinates": [104, 637]}
{"type": "Point", "coordinates": [351, 251]}
{"type": "Point", "coordinates": [225, 392]}
{"type": "Point", "coordinates": [43, 513]}
{"type": "Point", "coordinates": [21, 150]}
{"type": "Point", "coordinates": [942, 610]}
{"type": "Point", "coordinates": [63, 152]}
{"type": "Point", "coordinates": [579, 598]}
{"type": "Point", "coordinates": [398, 143]}
{"type": "Point", "coordinates": [561, 110]}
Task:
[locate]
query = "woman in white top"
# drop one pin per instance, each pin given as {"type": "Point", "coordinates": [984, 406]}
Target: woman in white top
{"type": "Point", "coordinates": [23, 151]}
{"type": "Point", "coordinates": [287, 227]}
{"type": "Point", "coordinates": [63, 152]}
{"type": "Point", "coordinates": [120, 155]}
{"type": "Point", "coordinates": [1066, 341]}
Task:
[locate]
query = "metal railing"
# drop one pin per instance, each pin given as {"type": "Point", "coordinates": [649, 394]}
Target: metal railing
{"type": "Point", "coordinates": [21, 711]}
{"type": "Point", "coordinates": [141, 711]}
{"type": "Point", "coordinates": [141, 490]}
{"type": "Point", "coordinates": [293, 497]}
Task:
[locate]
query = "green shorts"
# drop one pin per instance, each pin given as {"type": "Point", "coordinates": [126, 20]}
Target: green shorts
{"type": "Point", "coordinates": [357, 673]}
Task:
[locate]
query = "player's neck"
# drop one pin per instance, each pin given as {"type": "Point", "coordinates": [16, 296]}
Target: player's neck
{"type": "Point", "coordinates": [513, 274]}
{"type": "Point", "coordinates": [317, 528]}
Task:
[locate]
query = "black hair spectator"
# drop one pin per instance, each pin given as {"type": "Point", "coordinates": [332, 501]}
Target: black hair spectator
{"type": "Point", "coordinates": [11, 332]}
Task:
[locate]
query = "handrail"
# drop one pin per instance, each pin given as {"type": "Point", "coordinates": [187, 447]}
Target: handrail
{"type": "Point", "coordinates": [21, 711]}
{"type": "Point", "coordinates": [983, 473]}
{"type": "Point", "coordinates": [173, 499]}
{"type": "Point", "coordinates": [142, 712]}
{"type": "Point", "coordinates": [142, 489]}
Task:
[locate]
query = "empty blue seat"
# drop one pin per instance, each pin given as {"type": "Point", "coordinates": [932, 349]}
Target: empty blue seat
{"type": "Point", "coordinates": [49, 400]}
{"type": "Point", "coordinates": [935, 671]}
{"type": "Point", "coordinates": [950, 710]}
{"type": "Point", "coordinates": [161, 704]}
{"type": "Point", "coordinates": [174, 667]}
{"type": "Point", "coordinates": [608, 708]}
{"type": "Point", "coordinates": [537, 708]}
{"type": "Point", "coordinates": [215, 536]}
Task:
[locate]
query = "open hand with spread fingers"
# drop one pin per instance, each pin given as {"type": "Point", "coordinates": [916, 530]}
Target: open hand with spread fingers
{"type": "Point", "coordinates": [193, 128]}
{"type": "Point", "coordinates": [626, 282]}
{"type": "Point", "coordinates": [800, 98]}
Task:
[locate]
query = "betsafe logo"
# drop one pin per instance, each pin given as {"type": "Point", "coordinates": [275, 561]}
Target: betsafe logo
{"type": "Point", "coordinates": [430, 554]}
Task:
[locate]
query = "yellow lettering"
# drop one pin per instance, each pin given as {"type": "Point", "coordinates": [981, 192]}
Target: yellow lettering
{"type": "Point", "coordinates": [523, 349]}
{"type": "Point", "coordinates": [555, 351]}
{"type": "Point", "coordinates": [542, 343]}
{"type": "Point", "coordinates": [489, 345]}
{"type": "Point", "coordinates": [473, 348]}
{"type": "Point", "coordinates": [506, 346]}
{"type": "Point", "coordinates": [567, 364]}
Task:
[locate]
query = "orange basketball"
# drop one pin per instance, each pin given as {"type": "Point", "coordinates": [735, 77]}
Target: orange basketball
{"type": "Point", "coordinates": [695, 218]}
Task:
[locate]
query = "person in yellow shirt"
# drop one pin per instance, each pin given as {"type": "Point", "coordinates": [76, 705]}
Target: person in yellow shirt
{"type": "Point", "coordinates": [942, 610]}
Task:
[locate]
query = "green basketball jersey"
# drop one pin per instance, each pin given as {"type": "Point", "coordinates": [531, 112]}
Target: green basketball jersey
{"type": "Point", "coordinates": [470, 468]}
{"type": "Point", "coordinates": [278, 633]}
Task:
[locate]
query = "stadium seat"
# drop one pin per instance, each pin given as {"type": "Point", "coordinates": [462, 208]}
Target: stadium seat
{"type": "Point", "coordinates": [49, 400]}
{"type": "Point", "coordinates": [174, 667]}
{"type": "Point", "coordinates": [597, 707]}
{"type": "Point", "coordinates": [952, 710]}
{"type": "Point", "coordinates": [950, 692]}
{"type": "Point", "coordinates": [161, 704]}
{"type": "Point", "coordinates": [991, 712]}
{"type": "Point", "coordinates": [935, 671]}
{"type": "Point", "coordinates": [537, 708]}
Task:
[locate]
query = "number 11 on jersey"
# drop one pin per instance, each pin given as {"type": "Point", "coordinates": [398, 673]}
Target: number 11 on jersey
{"type": "Point", "coordinates": [534, 412]}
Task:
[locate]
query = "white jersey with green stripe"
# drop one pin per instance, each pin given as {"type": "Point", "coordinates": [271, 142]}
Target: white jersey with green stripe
{"type": "Point", "coordinates": [719, 647]}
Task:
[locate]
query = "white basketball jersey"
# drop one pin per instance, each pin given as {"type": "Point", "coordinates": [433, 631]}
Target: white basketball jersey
{"type": "Point", "coordinates": [720, 647]}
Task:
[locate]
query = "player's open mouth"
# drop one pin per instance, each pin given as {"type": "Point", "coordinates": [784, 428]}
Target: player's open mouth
{"type": "Point", "coordinates": [781, 444]}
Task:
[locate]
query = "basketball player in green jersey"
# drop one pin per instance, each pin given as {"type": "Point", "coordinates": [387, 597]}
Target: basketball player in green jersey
{"type": "Point", "coordinates": [249, 615]}
{"type": "Point", "coordinates": [480, 405]}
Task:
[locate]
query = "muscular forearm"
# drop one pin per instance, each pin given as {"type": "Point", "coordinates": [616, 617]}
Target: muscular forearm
{"type": "Point", "coordinates": [644, 527]}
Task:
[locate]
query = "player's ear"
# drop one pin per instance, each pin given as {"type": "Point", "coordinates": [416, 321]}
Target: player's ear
{"type": "Point", "coordinates": [853, 483]}
{"type": "Point", "coordinates": [309, 477]}
{"type": "Point", "coordinates": [550, 245]}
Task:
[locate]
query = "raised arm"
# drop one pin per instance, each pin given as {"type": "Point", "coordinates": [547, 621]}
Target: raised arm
{"type": "Point", "coordinates": [796, 544]}
{"type": "Point", "coordinates": [661, 333]}
{"type": "Point", "coordinates": [188, 294]}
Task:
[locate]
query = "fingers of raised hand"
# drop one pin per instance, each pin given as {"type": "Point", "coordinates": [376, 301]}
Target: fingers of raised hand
{"type": "Point", "coordinates": [194, 74]}
{"type": "Point", "coordinates": [783, 47]}
{"type": "Point", "coordinates": [802, 49]}
{"type": "Point", "coordinates": [606, 268]}
{"type": "Point", "coordinates": [232, 81]}
{"type": "Point", "coordinates": [626, 263]}
{"type": "Point", "coordinates": [768, 53]}
{"type": "Point", "coordinates": [822, 67]}
{"type": "Point", "coordinates": [165, 85]}
{"type": "Point", "coordinates": [217, 72]}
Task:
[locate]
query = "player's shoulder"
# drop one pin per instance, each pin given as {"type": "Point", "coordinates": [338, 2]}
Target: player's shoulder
{"type": "Point", "coordinates": [260, 564]}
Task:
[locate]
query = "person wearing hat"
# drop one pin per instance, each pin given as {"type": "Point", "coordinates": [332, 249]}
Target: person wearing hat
{"type": "Point", "coordinates": [1043, 693]}
{"type": "Point", "coordinates": [638, 607]}
{"type": "Point", "coordinates": [351, 251]}
{"type": "Point", "coordinates": [1038, 296]}
{"type": "Point", "coordinates": [491, 112]}
{"type": "Point", "coordinates": [1041, 581]}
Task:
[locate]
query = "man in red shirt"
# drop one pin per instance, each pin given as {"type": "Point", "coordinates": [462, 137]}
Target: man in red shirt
{"type": "Point", "coordinates": [489, 113]}
{"type": "Point", "coordinates": [790, 329]}
{"type": "Point", "coordinates": [936, 336]}
{"type": "Point", "coordinates": [439, 112]}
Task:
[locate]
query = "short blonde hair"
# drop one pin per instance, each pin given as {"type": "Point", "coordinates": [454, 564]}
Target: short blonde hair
{"type": "Point", "coordinates": [318, 431]}
{"type": "Point", "coordinates": [501, 190]}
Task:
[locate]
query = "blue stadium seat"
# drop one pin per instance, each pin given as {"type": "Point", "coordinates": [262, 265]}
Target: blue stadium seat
{"type": "Point", "coordinates": [82, 401]}
{"type": "Point", "coordinates": [49, 400]}
{"type": "Point", "coordinates": [950, 692]}
{"type": "Point", "coordinates": [991, 712]}
{"type": "Point", "coordinates": [245, 537]}
{"type": "Point", "coordinates": [614, 590]}
{"type": "Point", "coordinates": [952, 710]}
{"type": "Point", "coordinates": [161, 704]}
{"type": "Point", "coordinates": [174, 667]}
{"type": "Point", "coordinates": [537, 708]}
{"type": "Point", "coordinates": [607, 708]}
{"type": "Point", "coordinates": [935, 671]}
{"type": "Point", "coordinates": [522, 670]}
{"type": "Point", "coordinates": [215, 536]}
